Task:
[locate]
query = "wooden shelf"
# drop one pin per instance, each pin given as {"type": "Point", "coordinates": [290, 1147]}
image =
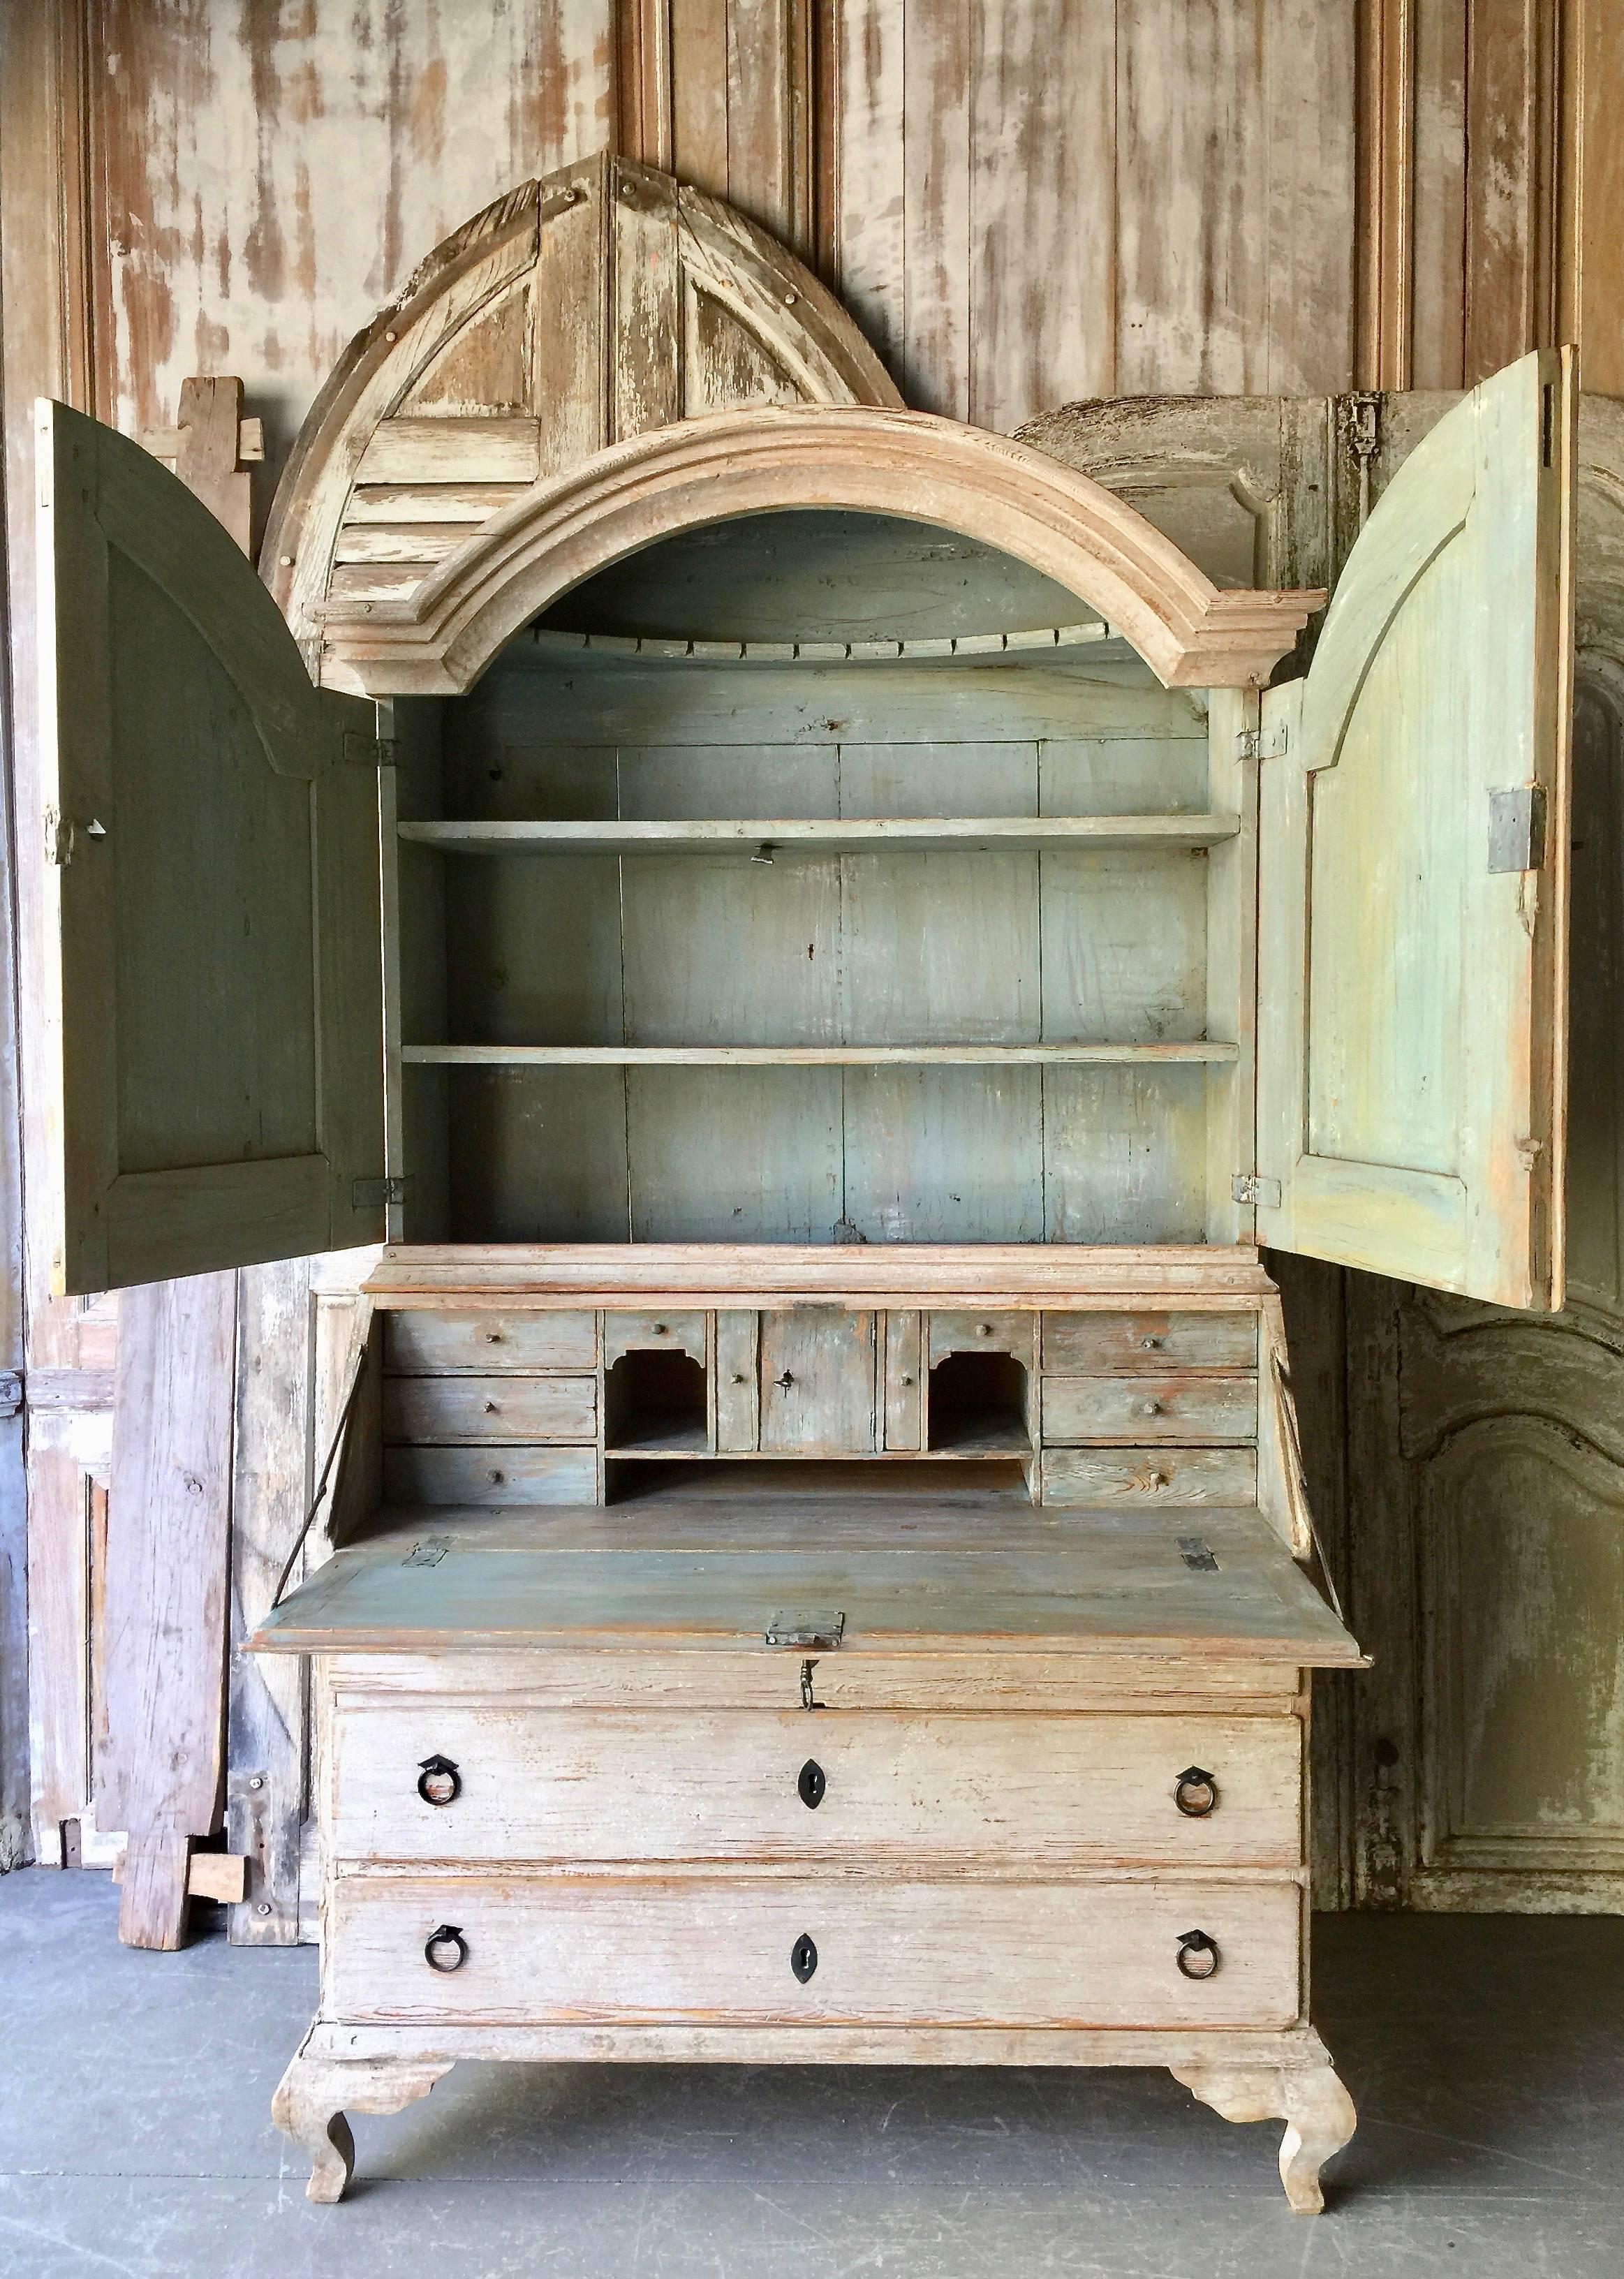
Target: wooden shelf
{"type": "Point", "coordinates": [813, 1055]}
{"type": "Point", "coordinates": [762, 837]}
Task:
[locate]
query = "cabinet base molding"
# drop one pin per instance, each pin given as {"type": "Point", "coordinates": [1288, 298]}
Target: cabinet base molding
{"type": "Point", "coordinates": [1243, 2076]}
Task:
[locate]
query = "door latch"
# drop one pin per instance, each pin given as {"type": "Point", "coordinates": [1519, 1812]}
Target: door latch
{"type": "Point", "coordinates": [1248, 1187]}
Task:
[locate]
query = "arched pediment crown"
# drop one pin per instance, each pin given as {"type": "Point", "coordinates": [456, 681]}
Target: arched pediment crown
{"type": "Point", "coordinates": [589, 307]}
{"type": "Point", "coordinates": [907, 464]}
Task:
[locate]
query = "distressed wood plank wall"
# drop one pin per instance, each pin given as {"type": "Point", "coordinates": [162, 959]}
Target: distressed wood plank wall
{"type": "Point", "coordinates": [1022, 200]}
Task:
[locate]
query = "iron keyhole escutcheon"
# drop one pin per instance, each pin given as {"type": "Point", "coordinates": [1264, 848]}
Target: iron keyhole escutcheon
{"type": "Point", "coordinates": [803, 1958]}
{"type": "Point", "coordinates": [812, 1785]}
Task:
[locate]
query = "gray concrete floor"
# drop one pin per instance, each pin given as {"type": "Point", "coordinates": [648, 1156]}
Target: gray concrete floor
{"type": "Point", "coordinates": [1486, 2054]}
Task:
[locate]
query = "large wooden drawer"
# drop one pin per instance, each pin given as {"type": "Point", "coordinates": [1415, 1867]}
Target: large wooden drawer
{"type": "Point", "coordinates": [430, 1344]}
{"type": "Point", "coordinates": [556, 1949]}
{"type": "Point", "coordinates": [1139, 1409]}
{"type": "Point", "coordinates": [481, 1410]}
{"type": "Point", "coordinates": [604, 1785]}
{"type": "Point", "coordinates": [1102, 1344]}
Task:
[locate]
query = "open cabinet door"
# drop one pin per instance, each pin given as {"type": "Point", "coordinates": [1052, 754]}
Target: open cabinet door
{"type": "Point", "coordinates": [1414, 825]}
{"type": "Point", "coordinates": [214, 1066]}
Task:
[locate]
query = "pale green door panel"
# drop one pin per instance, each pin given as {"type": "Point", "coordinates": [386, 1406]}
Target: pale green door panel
{"type": "Point", "coordinates": [1414, 871]}
{"type": "Point", "coordinates": [211, 892]}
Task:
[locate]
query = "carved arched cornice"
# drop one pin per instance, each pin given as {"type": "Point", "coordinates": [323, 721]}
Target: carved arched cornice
{"type": "Point", "coordinates": [908, 464]}
{"type": "Point", "coordinates": [590, 306]}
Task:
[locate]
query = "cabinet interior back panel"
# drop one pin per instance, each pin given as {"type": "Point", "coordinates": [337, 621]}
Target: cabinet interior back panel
{"type": "Point", "coordinates": [1099, 944]}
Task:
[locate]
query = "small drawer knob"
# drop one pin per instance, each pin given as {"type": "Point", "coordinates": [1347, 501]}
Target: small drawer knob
{"type": "Point", "coordinates": [446, 1949]}
{"type": "Point", "coordinates": [1196, 1793]}
{"type": "Point", "coordinates": [1150, 1344]}
{"type": "Point", "coordinates": [983, 1329]}
{"type": "Point", "coordinates": [803, 1958]}
{"type": "Point", "coordinates": [812, 1785]}
{"type": "Point", "coordinates": [492, 1337]}
{"type": "Point", "coordinates": [1150, 1408]}
{"type": "Point", "coordinates": [498, 1479]}
{"type": "Point", "coordinates": [661, 1330]}
{"type": "Point", "coordinates": [1198, 1954]}
{"type": "Point", "coordinates": [439, 1781]}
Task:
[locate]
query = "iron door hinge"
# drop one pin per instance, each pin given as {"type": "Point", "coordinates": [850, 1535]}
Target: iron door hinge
{"type": "Point", "coordinates": [1247, 1187]}
{"type": "Point", "coordinates": [363, 751]}
{"type": "Point", "coordinates": [1517, 828]}
{"type": "Point", "coordinates": [368, 1194]}
{"type": "Point", "coordinates": [1251, 744]}
{"type": "Point", "coordinates": [10, 1392]}
{"type": "Point", "coordinates": [1359, 415]}
{"type": "Point", "coordinates": [62, 835]}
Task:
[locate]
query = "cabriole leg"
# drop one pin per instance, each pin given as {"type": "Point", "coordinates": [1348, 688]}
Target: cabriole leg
{"type": "Point", "coordinates": [1311, 2100]}
{"type": "Point", "coordinates": [310, 2101]}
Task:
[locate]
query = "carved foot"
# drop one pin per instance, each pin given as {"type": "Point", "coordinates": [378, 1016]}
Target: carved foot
{"type": "Point", "coordinates": [310, 2102]}
{"type": "Point", "coordinates": [1311, 2100]}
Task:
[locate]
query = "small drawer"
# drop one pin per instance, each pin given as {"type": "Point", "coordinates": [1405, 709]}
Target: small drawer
{"type": "Point", "coordinates": [890, 1788]}
{"type": "Point", "coordinates": [429, 1345]}
{"type": "Point", "coordinates": [1098, 1477]}
{"type": "Point", "coordinates": [1103, 1345]}
{"type": "Point", "coordinates": [490, 1475]}
{"type": "Point", "coordinates": [1005, 1333]}
{"type": "Point", "coordinates": [625, 1333]}
{"type": "Point", "coordinates": [485, 1410]}
{"type": "Point", "coordinates": [1165, 1408]}
{"type": "Point", "coordinates": [815, 1951]}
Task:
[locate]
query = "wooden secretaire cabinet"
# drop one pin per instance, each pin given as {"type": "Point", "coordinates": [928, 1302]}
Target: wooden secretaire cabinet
{"type": "Point", "coordinates": [829, 948]}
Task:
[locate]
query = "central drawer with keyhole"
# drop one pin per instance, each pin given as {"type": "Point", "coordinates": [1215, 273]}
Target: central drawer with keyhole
{"type": "Point", "coordinates": [1150, 1407]}
{"type": "Point", "coordinates": [515, 1784]}
{"type": "Point", "coordinates": [813, 1950]}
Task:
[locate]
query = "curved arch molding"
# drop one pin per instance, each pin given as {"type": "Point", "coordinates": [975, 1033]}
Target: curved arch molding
{"type": "Point", "coordinates": [895, 463]}
{"type": "Point", "coordinates": [606, 356]}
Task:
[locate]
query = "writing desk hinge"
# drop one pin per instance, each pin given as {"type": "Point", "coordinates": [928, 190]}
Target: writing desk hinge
{"type": "Point", "coordinates": [823, 1632]}
{"type": "Point", "coordinates": [1247, 1187]}
{"type": "Point", "coordinates": [1253, 744]}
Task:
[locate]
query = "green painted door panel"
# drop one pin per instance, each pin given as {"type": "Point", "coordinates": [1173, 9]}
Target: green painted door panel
{"type": "Point", "coordinates": [1413, 941]}
{"type": "Point", "coordinates": [214, 1054]}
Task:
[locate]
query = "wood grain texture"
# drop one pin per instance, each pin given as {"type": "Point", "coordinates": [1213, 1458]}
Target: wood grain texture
{"type": "Point", "coordinates": [903, 1792]}
{"type": "Point", "coordinates": [161, 1762]}
{"type": "Point", "coordinates": [582, 1950]}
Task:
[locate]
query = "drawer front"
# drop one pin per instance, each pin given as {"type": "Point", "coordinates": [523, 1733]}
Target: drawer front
{"type": "Point", "coordinates": [1103, 1345]}
{"type": "Point", "coordinates": [1005, 1333]}
{"type": "Point", "coordinates": [632, 1785]}
{"type": "Point", "coordinates": [1142, 1477]}
{"type": "Point", "coordinates": [625, 1333]}
{"type": "Point", "coordinates": [1165, 1408]}
{"type": "Point", "coordinates": [490, 1475]}
{"type": "Point", "coordinates": [719, 1950]}
{"type": "Point", "coordinates": [490, 1408]}
{"type": "Point", "coordinates": [428, 1344]}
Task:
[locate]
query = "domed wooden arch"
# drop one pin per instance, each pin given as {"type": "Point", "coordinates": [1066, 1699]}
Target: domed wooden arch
{"type": "Point", "coordinates": [609, 357]}
{"type": "Point", "coordinates": [908, 463]}
{"type": "Point", "coordinates": [594, 304]}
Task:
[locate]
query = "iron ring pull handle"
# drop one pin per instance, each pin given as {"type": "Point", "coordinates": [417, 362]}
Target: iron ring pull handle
{"type": "Point", "coordinates": [1198, 1954]}
{"type": "Point", "coordinates": [446, 1949]}
{"type": "Point", "coordinates": [439, 1781]}
{"type": "Point", "coordinates": [1195, 1793]}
